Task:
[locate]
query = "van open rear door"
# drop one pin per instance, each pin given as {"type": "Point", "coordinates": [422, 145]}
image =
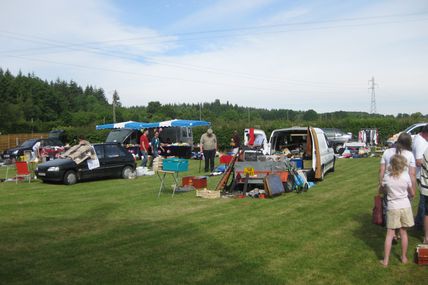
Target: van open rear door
{"type": "Point", "coordinates": [316, 155]}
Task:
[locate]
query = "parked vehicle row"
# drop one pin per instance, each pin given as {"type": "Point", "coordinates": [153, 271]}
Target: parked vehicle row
{"type": "Point", "coordinates": [114, 161]}
{"type": "Point", "coordinates": [30, 145]}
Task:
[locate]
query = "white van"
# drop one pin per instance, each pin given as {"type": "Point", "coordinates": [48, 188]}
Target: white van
{"type": "Point", "coordinates": [310, 144]}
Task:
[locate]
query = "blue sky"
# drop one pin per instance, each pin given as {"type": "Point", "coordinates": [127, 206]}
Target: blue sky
{"type": "Point", "coordinates": [261, 53]}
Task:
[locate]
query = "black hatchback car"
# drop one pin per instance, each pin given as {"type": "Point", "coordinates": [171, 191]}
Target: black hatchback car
{"type": "Point", "coordinates": [14, 153]}
{"type": "Point", "coordinates": [114, 160]}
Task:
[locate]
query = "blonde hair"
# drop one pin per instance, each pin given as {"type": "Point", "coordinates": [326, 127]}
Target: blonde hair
{"type": "Point", "coordinates": [398, 164]}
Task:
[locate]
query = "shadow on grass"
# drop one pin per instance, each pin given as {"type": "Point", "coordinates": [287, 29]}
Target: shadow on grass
{"type": "Point", "coordinates": [96, 248]}
{"type": "Point", "coordinates": [372, 235]}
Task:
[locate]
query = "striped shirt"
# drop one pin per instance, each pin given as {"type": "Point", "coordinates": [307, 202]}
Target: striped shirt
{"type": "Point", "coordinates": [424, 174]}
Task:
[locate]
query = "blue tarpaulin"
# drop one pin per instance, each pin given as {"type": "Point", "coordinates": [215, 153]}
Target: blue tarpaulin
{"type": "Point", "coordinates": [163, 124]}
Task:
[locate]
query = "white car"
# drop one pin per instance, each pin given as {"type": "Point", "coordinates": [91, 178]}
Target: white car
{"type": "Point", "coordinates": [413, 130]}
{"type": "Point", "coordinates": [260, 141]}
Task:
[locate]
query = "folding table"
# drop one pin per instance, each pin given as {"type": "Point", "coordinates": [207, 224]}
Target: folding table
{"type": "Point", "coordinates": [162, 174]}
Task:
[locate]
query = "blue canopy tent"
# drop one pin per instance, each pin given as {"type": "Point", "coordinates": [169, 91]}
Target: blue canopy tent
{"type": "Point", "coordinates": [177, 123]}
{"type": "Point", "coordinates": [123, 125]}
{"type": "Point", "coordinates": [164, 124]}
{"type": "Point", "coordinates": [129, 133]}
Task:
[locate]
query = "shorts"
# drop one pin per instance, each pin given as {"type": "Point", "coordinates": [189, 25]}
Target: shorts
{"type": "Point", "coordinates": [399, 218]}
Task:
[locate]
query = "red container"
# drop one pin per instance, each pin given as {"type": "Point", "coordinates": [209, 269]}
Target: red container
{"type": "Point", "coordinates": [422, 255]}
{"type": "Point", "coordinates": [226, 159]}
{"type": "Point", "coordinates": [200, 182]}
{"type": "Point", "coordinates": [282, 174]}
{"type": "Point", "coordinates": [187, 180]}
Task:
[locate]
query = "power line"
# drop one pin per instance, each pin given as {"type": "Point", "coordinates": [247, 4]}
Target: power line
{"type": "Point", "coordinates": [211, 70]}
{"type": "Point", "coordinates": [187, 66]}
{"type": "Point", "coordinates": [260, 27]}
{"type": "Point", "coordinates": [256, 27]}
{"type": "Point", "coordinates": [128, 56]}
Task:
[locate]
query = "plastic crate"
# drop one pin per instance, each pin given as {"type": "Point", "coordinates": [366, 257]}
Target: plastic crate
{"type": "Point", "coordinates": [175, 164]}
{"type": "Point", "coordinates": [226, 159]}
{"type": "Point", "coordinates": [298, 162]}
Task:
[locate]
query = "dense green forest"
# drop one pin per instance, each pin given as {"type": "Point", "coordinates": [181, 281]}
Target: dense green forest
{"type": "Point", "coordinates": [30, 104]}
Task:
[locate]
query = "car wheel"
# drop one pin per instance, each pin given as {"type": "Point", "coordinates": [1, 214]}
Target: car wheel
{"type": "Point", "coordinates": [126, 172]}
{"type": "Point", "coordinates": [334, 164]}
{"type": "Point", "coordinates": [70, 177]}
{"type": "Point", "coordinates": [322, 173]}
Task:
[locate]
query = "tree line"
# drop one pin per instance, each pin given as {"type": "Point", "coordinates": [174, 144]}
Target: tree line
{"type": "Point", "coordinates": [30, 104]}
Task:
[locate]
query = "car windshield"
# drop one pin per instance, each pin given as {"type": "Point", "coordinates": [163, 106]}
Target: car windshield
{"type": "Point", "coordinates": [28, 143]}
{"type": "Point", "coordinates": [409, 128]}
{"type": "Point", "coordinates": [118, 135]}
{"type": "Point", "coordinates": [329, 132]}
{"type": "Point", "coordinates": [169, 135]}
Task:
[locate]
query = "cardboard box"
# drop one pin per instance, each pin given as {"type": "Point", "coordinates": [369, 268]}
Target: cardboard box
{"type": "Point", "coordinates": [208, 194]}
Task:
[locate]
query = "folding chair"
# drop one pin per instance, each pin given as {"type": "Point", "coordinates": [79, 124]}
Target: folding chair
{"type": "Point", "coordinates": [22, 171]}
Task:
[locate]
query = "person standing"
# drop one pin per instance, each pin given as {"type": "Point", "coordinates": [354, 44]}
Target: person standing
{"type": "Point", "coordinates": [156, 145]}
{"type": "Point", "coordinates": [236, 142]}
{"type": "Point", "coordinates": [424, 192]}
{"type": "Point", "coordinates": [144, 147]}
{"type": "Point", "coordinates": [420, 144]}
{"type": "Point", "coordinates": [208, 145]}
{"type": "Point", "coordinates": [402, 147]}
{"type": "Point", "coordinates": [398, 188]}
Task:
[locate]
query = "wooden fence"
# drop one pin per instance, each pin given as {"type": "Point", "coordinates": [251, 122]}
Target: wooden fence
{"type": "Point", "coordinates": [12, 140]}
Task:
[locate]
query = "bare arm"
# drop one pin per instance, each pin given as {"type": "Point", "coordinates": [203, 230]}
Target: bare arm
{"type": "Point", "coordinates": [419, 162]}
{"type": "Point", "coordinates": [411, 191]}
{"type": "Point", "coordinates": [381, 174]}
{"type": "Point", "coordinates": [412, 174]}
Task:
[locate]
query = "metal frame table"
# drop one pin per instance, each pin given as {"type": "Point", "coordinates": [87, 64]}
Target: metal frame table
{"type": "Point", "coordinates": [162, 174]}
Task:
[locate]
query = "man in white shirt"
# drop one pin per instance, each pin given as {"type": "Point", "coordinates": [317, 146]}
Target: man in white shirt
{"type": "Point", "coordinates": [424, 191]}
{"type": "Point", "coordinates": [419, 145]}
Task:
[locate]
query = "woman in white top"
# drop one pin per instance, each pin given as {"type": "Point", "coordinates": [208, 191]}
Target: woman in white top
{"type": "Point", "coordinates": [402, 147]}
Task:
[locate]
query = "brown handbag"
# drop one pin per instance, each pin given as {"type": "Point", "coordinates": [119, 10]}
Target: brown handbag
{"type": "Point", "coordinates": [377, 215]}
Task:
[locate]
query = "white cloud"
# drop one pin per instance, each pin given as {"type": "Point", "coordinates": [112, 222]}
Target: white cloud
{"type": "Point", "coordinates": [321, 69]}
{"type": "Point", "coordinates": [220, 11]}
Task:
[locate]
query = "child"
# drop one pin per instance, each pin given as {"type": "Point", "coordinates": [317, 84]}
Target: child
{"type": "Point", "coordinates": [398, 188]}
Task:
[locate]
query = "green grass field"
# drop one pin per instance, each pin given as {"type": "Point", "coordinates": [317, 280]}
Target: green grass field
{"type": "Point", "coordinates": [118, 232]}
